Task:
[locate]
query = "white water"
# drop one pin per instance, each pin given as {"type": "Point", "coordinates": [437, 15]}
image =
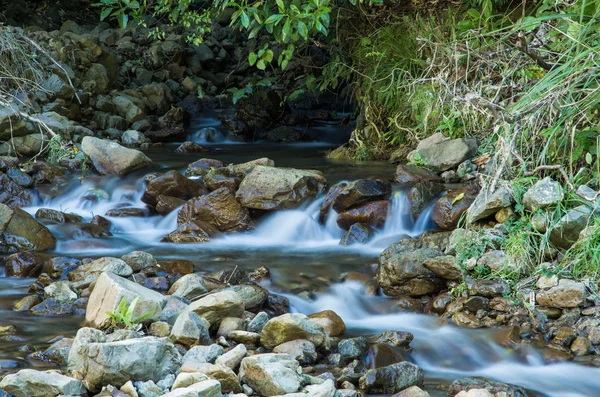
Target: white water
{"type": "Point", "coordinates": [448, 352]}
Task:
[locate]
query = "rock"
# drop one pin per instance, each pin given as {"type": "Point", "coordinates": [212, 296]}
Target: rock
{"type": "Point", "coordinates": [373, 214]}
{"type": "Point", "coordinates": [359, 192]}
{"type": "Point", "coordinates": [352, 349]}
{"type": "Point", "coordinates": [330, 321]}
{"type": "Point", "coordinates": [20, 232]}
{"type": "Point", "coordinates": [395, 338]}
{"type": "Point", "coordinates": [468, 384]}
{"type": "Point", "coordinates": [216, 306]}
{"type": "Point", "coordinates": [116, 363]}
{"type": "Point", "coordinates": [127, 109]}
{"type": "Point", "coordinates": [25, 264]}
{"type": "Point", "coordinates": [96, 79]}
{"type": "Point", "coordinates": [203, 354]}
{"type": "Point", "coordinates": [410, 174]}
{"type": "Point", "coordinates": [193, 232]}
{"type": "Point", "coordinates": [185, 379]}
{"type": "Point", "coordinates": [466, 320]}
{"type": "Point", "coordinates": [62, 291]}
{"type": "Point", "coordinates": [271, 374]}
{"type": "Point", "coordinates": [139, 260]}
{"type": "Point", "coordinates": [448, 209]}
{"type": "Point", "coordinates": [258, 322]}
{"type": "Point", "coordinates": [32, 383]}
{"type": "Point", "coordinates": [413, 391]}
{"type": "Point", "coordinates": [20, 177]}
{"type": "Point", "coordinates": [167, 204]}
{"type": "Point", "coordinates": [59, 351]}
{"type": "Point", "coordinates": [566, 294]}
{"type": "Point", "coordinates": [543, 194]}
{"type": "Point", "coordinates": [53, 216]}
{"type": "Point", "coordinates": [218, 208]}
{"type": "Point", "coordinates": [359, 233]}
{"type": "Point", "coordinates": [172, 184]}
{"type": "Point", "coordinates": [331, 195]}
{"type": "Point", "coordinates": [252, 339]}
{"type": "Point", "coordinates": [189, 287]}
{"type": "Point", "coordinates": [57, 87]}
{"type": "Point", "coordinates": [391, 379]}
{"type": "Point", "coordinates": [108, 292]}
{"type": "Point", "coordinates": [497, 261]}
{"type": "Point", "coordinates": [401, 271]}
{"type": "Point", "coordinates": [111, 158]}
{"type": "Point", "coordinates": [442, 153]}
{"type": "Point", "coordinates": [288, 327]}
{"type": "Point", "coordinates": [487, 288]}
{"type": "Point", "coordinates": [189, 329]}
{"type": "Point", "coordinates": [207, 388]}
{"type": "Point", "coordinates": [475, 393]}
{"type": "Point", "coordinates": [566, 231]}
{"type": "Point", "coordinates": [301, 350]}
{"type": "Point", "coordinates": [160, 329]}
{"type": "Point", "coordinates": [104, 264]}
{"type": "Point", "coordinates": [134, 138]}
{"type": "Point", "coordinates": [487, 204]}
{"type": "Point", "coordinates": [270, 188]}
{"type": "Point", "coordinates": [233, 358]}
{"type": "Point", "coordinates": [12, 194]}
{"type": "Point", "coordinates": [190, 147]}
{"type": "Point", "coordinates": [581, 346]}
{"type": "Point", "coordinates": [445, 266]}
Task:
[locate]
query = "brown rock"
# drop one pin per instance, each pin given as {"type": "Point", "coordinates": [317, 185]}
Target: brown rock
{"type": "Point", "coordinates": [359, 192]}
{"type": "Point", "coordinates": [166, 204]}
{"type": "Point", "coordinates": [172, 184]}
{"type": "Point", "coordinates": [330, 321]}
{"type": "Point", "coordinates": [406, 174]}
{"type": "Point", "coordinates": [373, 214]}
{"type": "Point", "coordinates": [445, 267]}
{"type": "Point", "coordinates": [193, 232]}
{"type": "Point", "coordinates": [449, 209]}
{"type": "Point", "coordinates": [219, 209]}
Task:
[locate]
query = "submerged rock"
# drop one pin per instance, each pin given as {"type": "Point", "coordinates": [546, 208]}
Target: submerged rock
{"type": "Point", "coordinates": [111, 158]}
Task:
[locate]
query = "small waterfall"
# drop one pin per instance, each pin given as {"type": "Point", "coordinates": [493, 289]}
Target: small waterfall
{"type": "Point", "coordinates": [449, 352]}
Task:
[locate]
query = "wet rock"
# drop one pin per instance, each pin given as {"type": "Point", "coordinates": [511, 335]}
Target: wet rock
{"type": "Point", "coordinates": [25, 264]}
{"type": "Point", "coordinates": [111, 158]}
{"type": "Point", "coordinates": [201, 166]}
{"type": "Point", "coordinates": [101, 221]}
{"type": "Point", "coordinates": [26, 303]}
{"type": "Point", "coordinates": [20, 177]}
{"type": "Point", "coordinates": [566, 231]}
{"type": "Point", "coordinates": [359, 192]}
{"type": "Point", "coordinates": [193, 232]}
{"type": "Point", "coordinates": [139, 260]}
{"type": "Point", "coordinates": [448, 209]}
{"type": "Point", "coordinates": [401, 271]}
{"type": "Point", "coordinates": [466, 320]}
{"type": "Point", "coordinates": [476, 303]}
{"type": "Point", "coordinates": [108, 292]}
{"type": "Point", "coordinates": [352, 349]}
{"type": "Point", "coordinates": [487, 288]}
{"type": "Point", "coordinates": [421, 195]}
{"type": "Point", "coordinates": [20, 232]}
{"type": "Point", "coordinates": [445, 266]}
{"type": "Point", "coordinates": [410, 174]}
{"type": "Point", "coordinates": [301, 350]}
{"type": "Point", "coordinates": [566, 294]}
{"type": "Point", "coordinates": [172, 184]}
{"type": "Point", "coordinates": [543, 194]}
{"type": "Point", "coordinates": [381, 355]}
{"type": "Point", "coordinates": [288, 327]}
{"type": "Point", "coordinates": [189, 287]}
{"type": "Point", "coordinates": [270, 188]}
{"type": "Point", "coordinates": [391, 379]}
{"type": "Point", "coordinates": [359, 233]}
{"type": "Point", "coordinates": [442, 153]}
{"type": "Point", "coordinates": [488, 203]}
{"type": "Point", "coordinates": [372, 214]}
{"type": "Point", "coordinates": [218, 208]}
{"type": "Point", "coordinates": [330, 321]}
{"type": "Point", "coordinates": [395, 338]}
{"type": "Point", "coordinates": [12, 194]}
{"type": "Point", "coordinates": [127, 212]}
{"type": "Point", "coordinates": [581, 346]}
{"type": "Point", "coordinates": [271, 374]}
{"type": "Point", "coordinates": [331, 195]}
{"type": "Point", "coordinates": [220, 178]}
{"type": "Point", "coordinates": [53, 216]}
{"type": "Point", "coordinates": [190, 147]}
{"type": "Point", "coordinates": [77, 231]}
{"type": "Point", "coordinates": [189, 329]}
{"type": "Point", "coordinates": [216, 306]}
{"type": "Point", "coordinates": [167, 204]}
{"type": "Point", "coordinates": [32, 383]}
{"type": "Point", "coordinates": [467, 384]}
{"type": "Point", "coordinates": [116, 363]}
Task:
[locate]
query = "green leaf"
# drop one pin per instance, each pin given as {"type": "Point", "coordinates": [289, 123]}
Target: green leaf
{"type": "Point", "coordinates": [274, 19]}
{"type": "Point", "coordinates": [588, 158]}
{"type": "Point", "coordinates": [268, 57]}
{"type": "Point", "coordinates": [254, 31]}
{"type": "Point", "coordinates": [252, 57]}
{"type": "Point", "coordinates": [287, 29]}
{"type": "Point", "coordinates": [280, 5]}
{"type": "Point", "coordinates": [105, 13]}
{"type": "Point", "coordinates": [237, 95]}
{"type": "Point", "coordinates": [261, 64]}
{"type": "Point", "coordinates": [245, 20]}
{"type": "Point", "coordinates": [303, 30]}
{"type": "Point", "coordinates": [284, 63]}
{"type": "Point", "coordinates": [458, 198]}
{"type": "Point", "coordinates": [123, 19]}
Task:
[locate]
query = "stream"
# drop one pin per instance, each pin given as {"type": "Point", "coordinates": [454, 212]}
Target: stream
{"type": "Point", "coordinates": [301, 254]}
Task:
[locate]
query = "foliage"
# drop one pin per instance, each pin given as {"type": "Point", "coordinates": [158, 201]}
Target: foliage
{"type": "Point", "coordinates": [123, 316]}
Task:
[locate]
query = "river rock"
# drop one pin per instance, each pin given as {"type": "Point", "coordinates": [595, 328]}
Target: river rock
{"type": "Point", "coordinates": [352, 349]}
{"type": "Point", "coordinates": [445, 266]}
{"type": "Point", "coordinates": [189, 287]}
{"type": "Point", "coordinates": [467, 384]}
{"type": "Point", "coordinates": [32, 383]}
{"type": "Point", "coordinates": [359, 192]}
{"type": "Point", "coordinates": [116, 363]}
{"type": "Point", "coordinates": [442, 153]}
{"type": "Point", "coordinates": [487, 288]}
{"type": "Point", "coordinates": [172, 184]}
{"type": "Point", "coordinates": [401, 271]}
{"type": "Point", "coordinates": [566, 294]}
{"type": "Point", "coordinates": [12, 194]}
{"type": "Point", "coordinates": [134, 138]}
{"type": "Point", "coordinates": [25, 264]}
{"type": "Point", "coordinates": [48, 215]}
{"type": "Point", "coordinates": [62, 291]}
{"type": "Point", "coordinates": [190, 329]}
{"type": "Point", "coordinates": [271, 374]}
{"type": "Point", "coordinates": [218, 208]}
{"type": "Point", "coordinates": [233, 358]}
{"type": "Point", "coordinates": [543, 194]}
{"type": "Point", "coordinates": [185, 379]}
{"type": "Point", "coordinates": [391, 379]}
{"type": "Point", "coordinates": [57, 87]}
{"type": "Point", "coordinates": [127, 109]}
{"type": "Point", "coordinates": [167, 204]}
{"type": "Point", "coordinates": [372, 214]}
{"type": "Point", "coordinates": [488, 203]}
{"type": "Point", "coordinates": [192, 232]}
{"type": "Point", "coordinates": [217, 306]}
{"type": "Point", "coordinates": [105, 264]}
{"type": "Point", "coordinates": [19, 231]}
{"type": "Point", "coordinates": [395, 338]}
{"type": "Point", "coordinates": [202, 354]}
{"type": "Point", "coordinates": [410, 174]}
{"type": "Point", "coordinates": [207, 388]}
{"type": "Point", "coordinates": [270, 188]}
{"type": "Point", "coordinates": [301, 350]}
{"type": "Point", "coordinates": [449, 208]}
{"type": "Point", "coordinates": [258, 322]}
{"type": "Point", "coordinates": [108, 292]}
{"type": "Point", "coordinates": [111, 158]}
{"type": "Point", "coordinates": [293, 326]}
{"type": "Point", "coordinates": [139, 260]}
{"type": "Point", "coordinates": [413, 391]}
{"type": "Point", "coordinates": [566, 231]}
{"type": "Point", "coordinates": [330, 321]}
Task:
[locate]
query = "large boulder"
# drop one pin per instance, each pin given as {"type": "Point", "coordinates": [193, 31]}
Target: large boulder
{"type": "Point", "coordinates": [292, 326]}
{"type": "Point", "coordinates": [567, 294]}
{"type": "Point", "coordinates": [391, 379]}
{"type": "Point", "coordinates": [32, 383]}
{"type": "Point", "coordinates": [449, 208]}
{"type": "Point", "coordinates": [19, 231]}
{"type": "Point", "coordinates": [402, 271]}
{"type": "Point", "coordinates": [108, 292]}
{"type": "Point", "coordinates": [373, 213]}
{"type": "Point", "coordinates": [543, 194]}
{"type": "Point", "coordinates": [488, 203]}
{"type": "Point", "coordinates": [271, 374]}
{"type": "Point", "coordinates": [171, 184]}
{"type": "Point", "coordinates": [219, 209]}
{"type": "Point", "coordinates": [359, 192]}
{"type": "Point", "coordinates": [270, 188]}
{"type": "Point", "coordinates": [441, 153]}
{"type": "Point", "coordinates": [111, 158]}
{"type": "Point", "coordinates": [115, 363]}
{"type": "Point", "coordinates": [566, 231]}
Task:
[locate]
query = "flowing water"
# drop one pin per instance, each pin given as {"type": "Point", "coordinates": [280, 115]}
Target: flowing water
{"type": "Point", "coordinates": [303, 256]}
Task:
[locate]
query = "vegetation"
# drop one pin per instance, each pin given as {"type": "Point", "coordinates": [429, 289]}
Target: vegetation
{"type": "Point", "coordinates": [123, 316]}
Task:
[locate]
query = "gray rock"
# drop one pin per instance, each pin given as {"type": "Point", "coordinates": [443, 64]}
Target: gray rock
{"type": "Point", "coordinates": [128, 109]}
{"type": "Point", "coordinates": [445, 266]}
{"type": "Point", "coordinates": [271, 374]}
{"type": "Point", "coordinates": [111, 158]}
{"type": "Point", "coordinates": [62, 291]}
{"type": "Point", "coordinates": [258, 322]}
{"type": "Point", "coordinates": [32, 383]}
{"type": "Point", "coordinates": [96, 79]}
{"type": "Point", "coordinates": [216, 306]}
{"type": "Point", "coordinates": [134, 138]}
{"type": "Point", "coordinates": [203, 354]}
{"type": "Point", "coordinates": [359, 233]}
{"type": "Point", "coordinates": [487, 288]}
{"type": "Point", "coordinates": [57, 87]}
{"type": "Point", "coordinates": [233, 358]}
{"type": "Point", "coordinates": [352, 349]}
{"type": "Point", "coordinates": [189, 329]}
{"type": "Point", "coordinates": [496, 261]}
{"type": "Point", "coordinates": [189, 287]}
{"type": "Point", "coordinates": [185, 379]}
{"type": "Point", "coordinates": [487, 204]}
{"type": "Point", "coordinates": [173, 308]}
{"type": "Point", "coordinates": [442, 153]}
{"type": "Point", "coordinates": [543, 194]}
{"type": "Point", "coordinates": [59, 351]}
{"type": "Point", "coordinates": [566, 231]}
{"type": "Point", "coordinates": [301, 350]}
{"type": "Point", "coordinates": [139, 260]}
{"type": "Point", "coordinates": [566, 294]}
{"type": "Point", "coordinates": [148, 389]}
{"type": "Point", "coordinates": [391, 379]}
{"type": "Point", "coordinates": [207, 388]}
